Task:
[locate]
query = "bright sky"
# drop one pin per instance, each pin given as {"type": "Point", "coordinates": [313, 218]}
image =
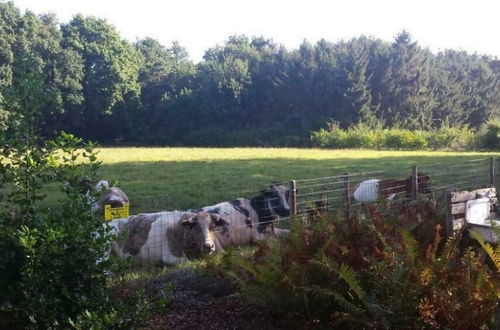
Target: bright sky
{"type": "Point", "coordinates": [472, 25]}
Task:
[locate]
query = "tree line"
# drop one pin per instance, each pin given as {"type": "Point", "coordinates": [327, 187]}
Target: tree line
{"type": "Point", "coordinates": [248, 91]}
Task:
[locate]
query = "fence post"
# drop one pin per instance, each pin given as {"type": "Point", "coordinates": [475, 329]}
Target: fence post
{"type": "Point", "coordinates": [293, 198]}
{"type": "Point", "coordinates": [492, 171]}
{"type": "Point", "coordinates": [347, 196]}
{"type": "Point", "coordinates": [448, 225]}
{"type": "Point", "coordinates": [414, 183]}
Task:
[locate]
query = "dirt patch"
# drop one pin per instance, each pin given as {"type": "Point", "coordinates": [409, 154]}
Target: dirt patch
{"type": "Point", "coordinates": [202, 300]}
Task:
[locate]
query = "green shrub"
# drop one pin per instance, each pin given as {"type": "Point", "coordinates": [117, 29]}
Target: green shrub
{"type": "Point", "coordinates": [490, 135]}
{"type": "Point", "coordinates": [49, 274]}
{"type": "Point", "coordinates": [452, 138]}
{"type": "Point", "coordinates": [404, 139]}
{"type": "Point", "coordinates": [362, 136]}
{"type": "Point", "coordinates": [334, 137]}
{"type": "Point", "coordinates": [48, 254]}
{"type": "Point", "coordinates": [378, 269]}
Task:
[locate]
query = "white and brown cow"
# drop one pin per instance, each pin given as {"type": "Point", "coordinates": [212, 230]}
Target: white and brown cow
{"type": "Point", "coordinates": [251, 220]}
{"type": "Point", "coordinates": [113, 196]}
{"type": "Point", "coordinates": [166, 237]}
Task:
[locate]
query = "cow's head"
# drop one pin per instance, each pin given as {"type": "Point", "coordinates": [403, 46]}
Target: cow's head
{"type": "Point", "coordinates": [207, 223]}
{"type": "Point", "coordinates": [424, 183]}
{"type": "Point", "coordinates": [102, 185]}
{"type": "Point", "coordinates": [276, 198]}
{"type": "Point", "coordinates": [85, 186]}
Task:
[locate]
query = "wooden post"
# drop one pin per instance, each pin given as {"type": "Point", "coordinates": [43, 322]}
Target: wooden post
{"type": "Point", "coordinates": [492, 171]}
{"type": "Point", "coordinates": [293, 198]}
{"type": "Point", "coordinates": [414, 183]}
{"type": "Point", "coordinates": [347, 196]}
{"type": "Point", "coordinates": [448, 225]}
{"type": "Point", "coordinates": [324, 201]}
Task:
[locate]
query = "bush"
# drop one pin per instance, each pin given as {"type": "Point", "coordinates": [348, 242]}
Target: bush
{"type": "Point", "coordinates": [490, 135]}
{"type": "Point", "coordinates": [48, 269]}
{"type": "Point", "coordinates": [362, 136]}
{"type": "Point", "coordinates": [378, 269]}
{"type": "Point", "coordinates": [453, 138]}
{"type": "Point", "coordinates": [334, 137]}
{"type": "Point", "coordinates": [404, 139]}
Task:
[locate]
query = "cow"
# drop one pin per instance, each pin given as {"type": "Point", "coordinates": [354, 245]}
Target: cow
{"type": "Point", "coordinates": [166, 237]}
{"type": "Point", "coordinates": [113, 196]}
{"type": "Point", "coordinates": [373, 189]}
{"type": "Point", "coordinates": [252, 220]}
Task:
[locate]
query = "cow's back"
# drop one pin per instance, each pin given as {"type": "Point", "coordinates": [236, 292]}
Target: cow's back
{"type": "Point", "coordinates": [367, 191]}
{"type": "Point", "coordinates": [143, 236]}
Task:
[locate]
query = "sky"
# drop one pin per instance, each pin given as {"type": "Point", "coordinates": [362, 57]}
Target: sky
{"type": "Point", "coordinates": [473, 25]}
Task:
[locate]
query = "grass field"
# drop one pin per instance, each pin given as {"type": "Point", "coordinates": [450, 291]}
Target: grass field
{"type": "Point", "coordinates": [181, 178]}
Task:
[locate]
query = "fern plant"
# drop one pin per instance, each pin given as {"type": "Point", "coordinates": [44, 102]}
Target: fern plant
{"type": "Point", "coordinates": [385, 267]}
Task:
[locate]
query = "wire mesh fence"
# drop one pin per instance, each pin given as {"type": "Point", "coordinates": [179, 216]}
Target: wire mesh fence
{"type": "Point", "coordinates": [259, 210]}
{"type": "Point", "coordinates": [350, 190]}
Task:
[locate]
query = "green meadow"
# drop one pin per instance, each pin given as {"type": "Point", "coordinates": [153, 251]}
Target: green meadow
{"type": "Point", "coordinates": [181, 178]}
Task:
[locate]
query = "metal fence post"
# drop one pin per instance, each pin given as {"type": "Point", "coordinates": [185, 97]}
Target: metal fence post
{"type": "Point", "coordinates": [293, 198]}
{"type": "Point", "coordinates": [347, 196]}
{"type": "Point", "coordinates": [492, 171]}
{"type": "Point", "coordinates": [414, 183]}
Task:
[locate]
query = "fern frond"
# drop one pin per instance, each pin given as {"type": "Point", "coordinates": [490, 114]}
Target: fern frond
{"type": "Point", "coordinates": [381, 238]}
{"type": "Point", "coordinates": [493, 254]}
{"type": "Point", "coordinates": [410, 244]}
{"type": "Point", "coordinates": [339, 299]}
{"type": "Point", "coordinates": [345, 272]}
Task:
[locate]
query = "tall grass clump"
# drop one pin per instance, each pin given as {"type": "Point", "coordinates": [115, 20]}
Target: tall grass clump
{"type": "Point", "coordinates": [378, 269]}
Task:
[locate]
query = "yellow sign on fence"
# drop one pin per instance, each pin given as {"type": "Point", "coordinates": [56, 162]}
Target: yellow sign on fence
{"type": "Point", "coordinates": [111, 213]}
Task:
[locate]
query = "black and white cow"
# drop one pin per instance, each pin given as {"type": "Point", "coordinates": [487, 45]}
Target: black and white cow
{"type": "Point", "coordinates": [251, 220]}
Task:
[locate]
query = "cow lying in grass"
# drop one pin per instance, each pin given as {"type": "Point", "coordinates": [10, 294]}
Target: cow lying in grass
{"type": "Point", "coordinates": [113, 196]}
{"type": "Point", "coordinates": [374, 189]}
{"type": "Point", "coordinates": [251, 220]}
{"type": "Point", "coordinates": [166, 237]}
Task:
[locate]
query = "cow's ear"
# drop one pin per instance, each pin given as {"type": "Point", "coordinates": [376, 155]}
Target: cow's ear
{"type": "Point", "coordinates": [188, 221]}
{"type": "Point", "coordinates": [218, 221]}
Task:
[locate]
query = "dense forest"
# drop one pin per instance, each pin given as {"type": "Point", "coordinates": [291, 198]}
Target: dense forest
{"type": "Point", "coordinates": [248, 91]}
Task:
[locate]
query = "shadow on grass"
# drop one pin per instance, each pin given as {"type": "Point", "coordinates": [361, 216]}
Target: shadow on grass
{"type": "Point", "coordinates": [169, 185]}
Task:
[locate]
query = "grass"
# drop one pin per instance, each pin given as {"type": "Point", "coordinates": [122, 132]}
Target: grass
{"type": "Point", "coordinates": [181, 178]}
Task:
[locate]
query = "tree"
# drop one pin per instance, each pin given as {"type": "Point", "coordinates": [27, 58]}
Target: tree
{"type": "Point", "coordinates": [9, 19]}
{"type": "Point", "coordinates": [409, 99]}
{"type": "Point", "coordinates": [111, 70]}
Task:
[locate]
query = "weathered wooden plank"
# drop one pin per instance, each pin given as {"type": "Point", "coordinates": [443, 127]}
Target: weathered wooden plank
{"type": "Point", "coordinates": [458, 223]}
{"type": "Point", "coordinates": [458, 208]}
{"type": "Point", "coordinates": [448, 224]}
{"type": "Point", "coordinates": [463, 196]}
